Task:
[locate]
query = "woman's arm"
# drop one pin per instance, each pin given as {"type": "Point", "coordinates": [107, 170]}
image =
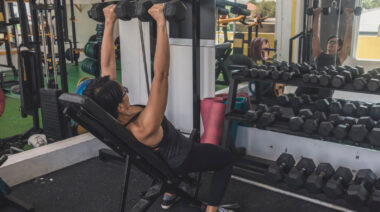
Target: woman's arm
{"type": "Point", "coordinates": [107, 58]}
{"type": "Point", "coordinates": [316, 42]}
{"type": "Point", "coordinates": [150, 119]}
{"type": "Point", "coordinates": [346, 48]}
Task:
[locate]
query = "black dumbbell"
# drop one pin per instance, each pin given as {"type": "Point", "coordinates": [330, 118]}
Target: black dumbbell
{"type": "Point", "coordinates": [358, 11]}
{"type": "Point", "coordinates": [306, 78]}
{"type": "Point", "coordinates": [276, 74]}
{"type": "Point", "coordinates": [289, 74]}
{"type": "Point", "coordinates": [325, 11]}
{"type": "Point", "coordinates": [354, 71]}
{"type": "Point", "coordinates": [322, 105]}
{"type": "Point", "coordinates": [374, 199]}
{"type": "Point", "coordinates": [359, 131]}
{"type": "Point", "coordinates": [124, 10]}
{"type": "Point", "coordinates": [341, 130]}
{"type": "Point", "coordinates": [306, 68]}
{"type": "Point", "coordinates": [360, 83]}
{"type": "Point", "coordinates": [360, 69]}
{"type": "Point", "coordinates": [263, 74]}
{"type": "Point", "coordinates": [325, 80]}
{"type": "Point", "coordinates": [375, 112]}
{"type": "Point", "coordinates": [174, 10]}
{"type": "Point", "coordinates": [374, 73]}
{"type": "Point", "coordinates": [296, 122]}
{"type": "Point", "coordinates": [296, 101]}
{"type": "Point", "coordinates": [374, 135]}
{"type": "Point", "coordinates": [307, 99]}
{"type": "Point", "coordinates": [254, 72]}
{"type": "Point", "coordinates": [341, 79]}
{"type": "Point", "coordinates": [326, 128]}
{"type": "Point", "coordinates": [359, 190]}
{"type": "Point", "coordinates": [276, 172]}
{"type": "Point", "coordinates": [349, 109]}
{"type": "Point", "coordinates": [311, 125]}
{"type": "Point", "coordinates": [269, 117]}
{"type": "Point", "coordinates": [335, 107]}
{"type": "Point", "coordinates": [284, 99]}
{"type": "Point", "coordinates": [373, 85]}
{"type": "Point", "coordinates": [316, 181]}
{"type": "Point", "coordinates": [266, 119]}
{"type": "Point", "coordinates": [338, 182]}
{"type": "Point", "coordinates": [298, 174]}
{"type": "Point", "coordinates": [314, 78]}
{"type": "Point", "coordinates": [363, 109]}
{"type": "Point", "coordinates": [223, 11]}
{"type": "Point", "coordinates": [240, 11]}
{"type": "Point", "coordinates": [276, 110]}
{"type": "Point", "coordinates": [254, 115]}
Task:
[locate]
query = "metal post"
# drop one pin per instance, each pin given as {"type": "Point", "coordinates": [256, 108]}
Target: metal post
{"type": "Point", "coordinates": [61, 45]}
{"type": "Point", "coordinates": [24, 25]}
{"type": "Point", "coordinates": [36, 41]}
{"type": "Point", "coordinates": [196, 64]}
{"type": "Point", "coordinates": [127, 171]}
{"type": "Point", "coordinates": [64, 19]}
{"type": "Point", "coordinates": [73, 31]}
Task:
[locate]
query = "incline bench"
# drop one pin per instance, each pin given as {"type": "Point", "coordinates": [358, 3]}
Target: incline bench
{"type": "Point", "coordinates": [107, 129]}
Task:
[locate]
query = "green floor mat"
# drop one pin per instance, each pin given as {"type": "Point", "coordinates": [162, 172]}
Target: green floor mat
{"type": "Point", "coordinates": [11, 122]}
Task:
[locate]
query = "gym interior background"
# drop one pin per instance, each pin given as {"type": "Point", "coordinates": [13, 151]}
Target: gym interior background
{"type": "Point", "coordinates": [239, 74]}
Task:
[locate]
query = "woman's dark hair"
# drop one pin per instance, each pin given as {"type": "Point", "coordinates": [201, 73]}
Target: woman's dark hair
{"type": "Point", "coordinates": [340, 41]}
{"type": "Point", "coordinates": [106, 93]}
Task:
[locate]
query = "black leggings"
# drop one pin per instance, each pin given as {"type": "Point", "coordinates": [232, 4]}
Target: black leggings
{"type": "Point", "coordinates": [208, 157]}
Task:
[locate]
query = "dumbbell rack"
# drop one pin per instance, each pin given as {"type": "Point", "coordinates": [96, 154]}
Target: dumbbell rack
{"type": "Point", "coordinates": [280, 126]}
{"type": "Point", "coordinates": [298, 82]}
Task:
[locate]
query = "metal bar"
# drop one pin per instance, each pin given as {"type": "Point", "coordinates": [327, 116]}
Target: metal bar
{"type": "Point", "coordinates": [144, 58]}
{"type": "Point", "coordinates": [24, 25]}
{"type": "Point", "coordinates": [43, 33]}
{"type": "Point", "coordinates": [226, 139]}
{"type": "Point", "coordinates": [249, 40]}
{"type": "Point", "coordinates": [229, 3]}
{"type": "Point", "coordinates": [36, 40]}
{"type": "Point", "coordinates": [196, 64]}
{"type": "Point", "coordinates": [64, 19]}
{"type": "Point", "coordinates": [52, 41]}
{"type": "Point", "coordinates": [73, 31]}
{"type": "Point", "coordinates": [291, 45]}
{"type": "Point", "coordinates": [127, 172]}
{"type": "Point", "coordinates": [61, 46]}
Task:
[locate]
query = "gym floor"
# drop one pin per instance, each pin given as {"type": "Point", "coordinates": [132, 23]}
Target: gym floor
{"type": "Point", "coordinates": [94, 185]}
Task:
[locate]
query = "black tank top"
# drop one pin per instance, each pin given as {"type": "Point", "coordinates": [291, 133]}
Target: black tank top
{"type": "Point", "coordinates": [326, 60]}
{"type": "Point", "coordinates": [174, 147]}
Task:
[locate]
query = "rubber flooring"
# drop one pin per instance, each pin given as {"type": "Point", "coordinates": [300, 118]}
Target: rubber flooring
{"type": "Point", "coordinates": [94, 185]}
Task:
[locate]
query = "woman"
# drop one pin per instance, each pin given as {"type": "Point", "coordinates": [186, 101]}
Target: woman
{"type": "Point", "coordinates": [336, 52]}
{"type": "Point", "coordinates": [148, 124]}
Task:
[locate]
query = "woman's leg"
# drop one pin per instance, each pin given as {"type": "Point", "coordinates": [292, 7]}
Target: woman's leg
{"type": "Point", "coordinates": [208, 157]}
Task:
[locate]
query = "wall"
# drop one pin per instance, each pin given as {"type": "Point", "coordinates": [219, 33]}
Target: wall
{"type": "Point", "coordinates": [289, 22]}
{"type": "Point", "coordinates": [365, 47]}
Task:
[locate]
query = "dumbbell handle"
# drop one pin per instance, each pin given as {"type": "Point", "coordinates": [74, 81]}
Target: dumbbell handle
{"type": "Point", "coordinates": [303, 170]}
{"type": "Point", "coordinates": [3, 158]}
{"type": "Point", "coordinates": [322, 174]}
{"type": "Point", "coordinates": [282, 165]}
{"type": "Point", "coordinates": [339, 179]}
